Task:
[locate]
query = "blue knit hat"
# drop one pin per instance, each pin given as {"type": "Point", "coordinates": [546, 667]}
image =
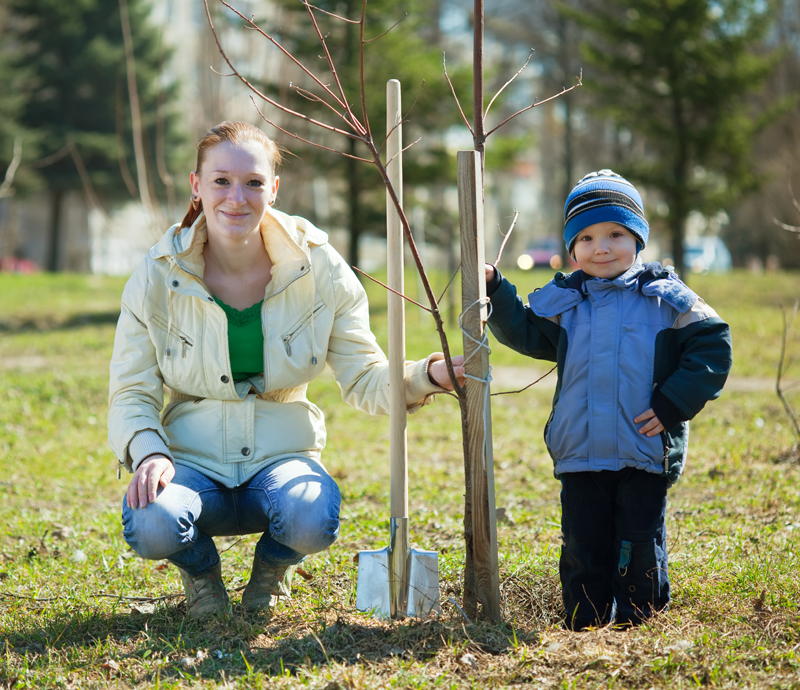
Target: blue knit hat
{"type": "Point", "coordinates": [600, 197]}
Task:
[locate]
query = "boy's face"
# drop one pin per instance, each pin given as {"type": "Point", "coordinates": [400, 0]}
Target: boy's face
{"type": "Point", "coordinates": [605, 250]}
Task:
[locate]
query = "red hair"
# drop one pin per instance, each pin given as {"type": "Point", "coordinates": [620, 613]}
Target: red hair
{"type": "Point", "coordinates": [236, 133]}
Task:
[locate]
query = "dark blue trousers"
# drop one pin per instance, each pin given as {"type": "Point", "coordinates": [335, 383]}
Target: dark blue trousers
{"type": "Point", "coordinates": [613, 562]}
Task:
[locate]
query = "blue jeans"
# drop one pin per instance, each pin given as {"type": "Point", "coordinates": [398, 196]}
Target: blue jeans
{"type": "Point", "coordinates": [613, 562]}
{"type": "Point", "coordinates": [295, 503]}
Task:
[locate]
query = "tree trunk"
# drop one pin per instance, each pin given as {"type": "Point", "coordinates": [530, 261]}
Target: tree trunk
{"type": "Point", "coordinates": [56, 205]}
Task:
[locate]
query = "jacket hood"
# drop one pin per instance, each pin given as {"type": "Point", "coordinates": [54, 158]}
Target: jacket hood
{"type": "Point", "coordinates": [567, 290]}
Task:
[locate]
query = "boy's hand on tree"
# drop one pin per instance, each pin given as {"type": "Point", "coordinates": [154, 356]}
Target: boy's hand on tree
{"type": "Point", "coordinates": [653, 425]}
{"type": "Point", "coordinates": [155, 471]}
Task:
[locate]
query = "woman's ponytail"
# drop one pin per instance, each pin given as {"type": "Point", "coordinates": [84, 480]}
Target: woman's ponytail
{"type": "Point", "coordinates": [192, 214]}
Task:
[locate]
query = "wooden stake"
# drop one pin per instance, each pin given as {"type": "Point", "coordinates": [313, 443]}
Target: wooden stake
{"type": "Point", "coordinates": [481, 573]}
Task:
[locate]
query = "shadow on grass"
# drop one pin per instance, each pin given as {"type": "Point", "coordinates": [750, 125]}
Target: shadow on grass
{"type": "Point", "coordinates": [165, 644]}
{"type": "Point", "coordinates": [55, 323]}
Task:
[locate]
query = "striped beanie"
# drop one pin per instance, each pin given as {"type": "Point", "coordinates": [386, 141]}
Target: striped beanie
{"type": "Point", "coordinates": [600, 197]}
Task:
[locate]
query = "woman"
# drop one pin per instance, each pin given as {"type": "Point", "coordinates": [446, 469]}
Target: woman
{"type": "Point", "coordinates": [235, 310]}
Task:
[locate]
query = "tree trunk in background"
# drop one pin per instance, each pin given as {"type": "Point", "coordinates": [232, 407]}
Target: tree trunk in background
{"type": "Point", "coordinates": [354, 204]}
{"type": "Point", "coordinates": [56, 205]}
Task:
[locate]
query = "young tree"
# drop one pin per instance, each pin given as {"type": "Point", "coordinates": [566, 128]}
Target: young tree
{"type": "Point", "coordinates": [78, 71]}
{"type": "Point", "coordinates": [678, 75]}
{"type": "Point", "coordinates": [409, 52]}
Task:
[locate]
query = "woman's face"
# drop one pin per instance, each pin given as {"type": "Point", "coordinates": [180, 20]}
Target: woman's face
{"type": "Point", "coordinates": [235, 184]}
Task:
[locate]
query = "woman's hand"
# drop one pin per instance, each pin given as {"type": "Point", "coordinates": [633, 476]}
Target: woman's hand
{"type": "Point", "coordinates": [154, 471]}
{"type": "Point", "coordinates": [653, 426]}
{"type": "Point", "coordinates": [437, 372]}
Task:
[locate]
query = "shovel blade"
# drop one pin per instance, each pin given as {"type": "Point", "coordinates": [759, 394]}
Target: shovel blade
{"type": "Point", "coordinates": [373, 592]}
{"type": "Point", "coordinates": [423, 584]}
{"type": "Point", "coordinates": [372, 588]}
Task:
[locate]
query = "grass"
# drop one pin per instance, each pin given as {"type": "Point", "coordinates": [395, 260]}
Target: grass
{"type": "Point", "coordinates": [78, 610]}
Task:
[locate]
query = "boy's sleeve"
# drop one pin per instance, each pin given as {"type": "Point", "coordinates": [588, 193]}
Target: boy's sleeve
{"type": "Point", "coordinates": [516, 326]}
{"type": "Point", "coordinates": [706, 356]}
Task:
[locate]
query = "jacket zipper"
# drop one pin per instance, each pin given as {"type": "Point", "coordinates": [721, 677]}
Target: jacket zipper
{"type": "Point", "coordinates": [287, 339]}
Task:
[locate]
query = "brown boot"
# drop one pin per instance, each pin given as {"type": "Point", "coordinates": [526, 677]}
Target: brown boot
{"type": "Point", "coordinates": [205, 594]}
{"type": "Point", "coordinates": [266, 585]}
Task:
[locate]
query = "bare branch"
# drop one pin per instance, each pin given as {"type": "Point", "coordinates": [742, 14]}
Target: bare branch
{"type": "Point", "coordinates": [331, 14]}
{"type": "Point", "coordinates": [88, 188]}
{"type": "Point", "coordinates": [449, 282]}
{"type": "Point", "coordinates": [535, 103]}
{"type": "Point", "coordinates": [795, 202]}
{"type": "Point", "coordinates": [332, 66]}
{"type": "Point", "coordinates": [11, 170]}
{"type": "Point", "coordinates": [274, 42]}
{"type": "Point", "coordinates": [263, 96]}
{"type": "Point", "coordinates": [53, 158]}
{"type": "Point", "coordinates": [399, 294]}
{"type": "Point", "coordinates": [416, 141]}
{"type": "Point", "coordinates": [505, 237]}
{"type": "Point", "coordinates": [151, 208]}
{"type": "Point", "coordinates": [310, 96]}
{"type": "Point", "coordinates": [361, 80]}
{"type": "Point", "coordinates": [790, 228]}
{"type": "Point", "coordinates": [787, 325]}
{"type": "Point", "coordinates": [519, 71]}
{"type": "Point", "coordinates": [526, 387]}
{"type": "Point", "coordinates": [453, 90]}
{"type": "Point", "coordinates": [307, 141]}
{"type": "Point", "coordinates": [220, 74]}
{"type": "Point", "coordinates": [370, 40]}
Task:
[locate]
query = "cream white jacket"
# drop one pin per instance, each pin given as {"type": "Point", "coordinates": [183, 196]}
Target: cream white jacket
{"type": "Point", "coordinates": [172, 334]}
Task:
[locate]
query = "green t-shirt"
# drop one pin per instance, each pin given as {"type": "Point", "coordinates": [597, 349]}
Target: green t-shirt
{"type": "Point", "coordinates": [245, 340]}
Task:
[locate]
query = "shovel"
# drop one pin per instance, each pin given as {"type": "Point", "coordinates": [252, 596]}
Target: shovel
{"type": "Point", "coordinates": [397, 581]}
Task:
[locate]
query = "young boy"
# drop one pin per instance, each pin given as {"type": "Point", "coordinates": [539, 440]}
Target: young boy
{"type": "Point", "coordinates": [639, 354]}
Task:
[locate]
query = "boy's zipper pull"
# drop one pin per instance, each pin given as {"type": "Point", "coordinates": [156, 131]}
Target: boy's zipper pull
{"type": "Point", "coordinates": [666, 459]}
{"type": "Point", "coordinates": [287, 341]}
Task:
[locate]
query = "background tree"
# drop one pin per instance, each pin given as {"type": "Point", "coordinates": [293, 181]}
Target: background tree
{"type": "Point", "coordinates": [16, 143]}
{"type": "Point", "coordinates": [678, 76]}
{"type": "Point", "coordinates": [74, 58]}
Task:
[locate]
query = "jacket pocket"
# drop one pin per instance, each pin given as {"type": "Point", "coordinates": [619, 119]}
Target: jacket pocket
{"type": "Point", "coordinates": [174, 353]}
{"type": "Point", "coordinates": [292, 335]}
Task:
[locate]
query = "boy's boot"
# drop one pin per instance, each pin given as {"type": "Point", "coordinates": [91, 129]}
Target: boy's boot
{"type": "Point", "coordinates": [267, 583]}
{"type": "Point", "coordinates": [205, 593]}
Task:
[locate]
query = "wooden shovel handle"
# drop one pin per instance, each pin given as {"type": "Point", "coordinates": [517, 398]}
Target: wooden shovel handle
{"type": "Point", "coordinates": [398, 458]}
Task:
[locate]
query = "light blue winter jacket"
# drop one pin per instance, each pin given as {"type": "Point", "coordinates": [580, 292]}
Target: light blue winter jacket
{"type": "Point", "coordinates": [622, 346]}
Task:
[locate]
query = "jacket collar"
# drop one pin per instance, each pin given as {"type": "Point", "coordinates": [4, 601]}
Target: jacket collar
{"type": "Point", "coordinates": [287, 240]}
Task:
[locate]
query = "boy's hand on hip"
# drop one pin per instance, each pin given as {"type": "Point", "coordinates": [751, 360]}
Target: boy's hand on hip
{"type": "Point", "coordinates": [653, 425]}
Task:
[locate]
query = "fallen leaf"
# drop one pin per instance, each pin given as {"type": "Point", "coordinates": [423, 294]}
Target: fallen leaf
{"type": "Point", "coordinates": [110, 666]}
{"type": "Point", "coordinates": [469, 660]}
{"type": "Point", "coordinates": [305, 574]}
{"type": "Point", "coordinates": [143, 606]}
{"type": "Point", "coordinates": [504, 515]}
{"type": "Point", "coordinates": [355, 558]}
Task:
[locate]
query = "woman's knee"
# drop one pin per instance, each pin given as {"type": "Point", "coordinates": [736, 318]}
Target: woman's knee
{"type": "Point", "coordinates": [156, 531]}
{"type": "Point", "coordinates": [309, 516]}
